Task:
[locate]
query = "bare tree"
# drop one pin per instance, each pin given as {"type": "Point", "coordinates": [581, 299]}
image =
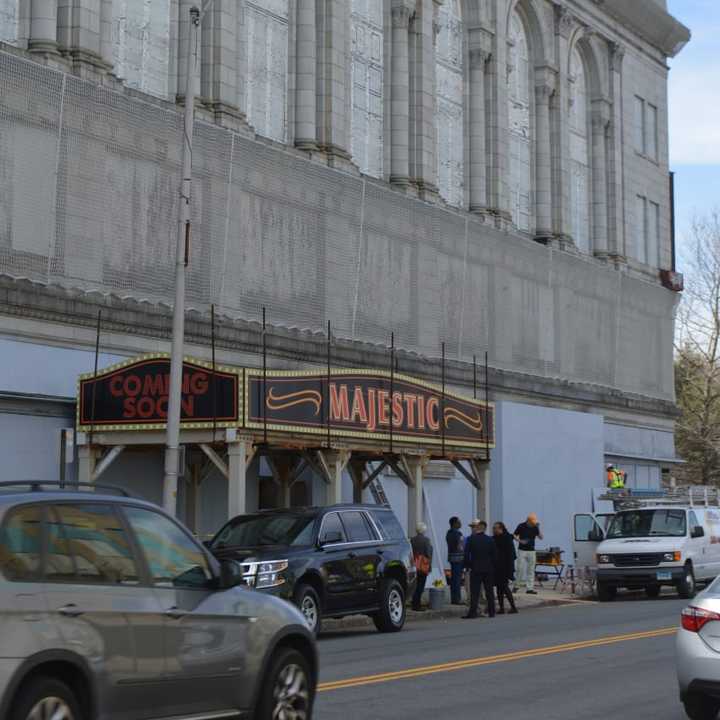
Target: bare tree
{"type": "Point", "coordinates": [697, 364]}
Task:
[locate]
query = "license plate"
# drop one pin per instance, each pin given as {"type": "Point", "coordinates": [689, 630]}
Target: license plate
{"type": "Point", "coordinates": [664, 575]}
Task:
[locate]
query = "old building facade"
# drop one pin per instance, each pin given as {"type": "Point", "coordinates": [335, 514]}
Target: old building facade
{"type": "Point", "coordinates": [479, 175]}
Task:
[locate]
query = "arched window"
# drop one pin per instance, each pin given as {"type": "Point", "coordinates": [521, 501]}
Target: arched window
{"type": "Point", "coordinates": [450, 129]}
{"type": "Point", "coordinates": [267, 68]}
{"type": "Point", "coordinates": [521, 135]}
{"type": "Point", "coordinates": [580, 221]}
{"type": "Point", "coordinates": [367, 86]}
{"type": "Point", "coordinates": [141, 44]}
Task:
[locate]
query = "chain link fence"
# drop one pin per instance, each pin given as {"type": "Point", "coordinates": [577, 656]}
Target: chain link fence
{"type": "Point", "coordinates": [89, 183]}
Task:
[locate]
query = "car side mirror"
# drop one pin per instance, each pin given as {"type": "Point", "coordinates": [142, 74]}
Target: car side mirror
{"type": "Point", "coordinates": [697, 532]}
{"type": "Point", "coordinates": [231, 574]}
{"type": "Point", "coordinates": [595, 535]}
{"type": "Point", "coordinates": [207, 544]}
{"type": "Point", "coordinates": [331, 537]}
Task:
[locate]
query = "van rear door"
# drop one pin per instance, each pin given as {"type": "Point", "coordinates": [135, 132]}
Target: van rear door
{"type": "Point", "coordinates": [587, 535]}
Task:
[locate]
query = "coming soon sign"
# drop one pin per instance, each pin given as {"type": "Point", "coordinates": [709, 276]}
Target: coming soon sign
{"type": "Point", "coordinates": [135, 395]}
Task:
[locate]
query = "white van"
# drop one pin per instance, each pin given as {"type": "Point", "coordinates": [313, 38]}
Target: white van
{"type": "Point", "coordinates": [651, 545]}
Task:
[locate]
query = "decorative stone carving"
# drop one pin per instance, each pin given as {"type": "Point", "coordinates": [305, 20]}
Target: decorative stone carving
{"type": "Point", "coordinates": [479, 57]}
{"type": "Point", "coordinates": [401, 15]}
{"type": "Point", "coordinates": [617, 53]}
{"type": "Point", "coordinates": [564, 21]}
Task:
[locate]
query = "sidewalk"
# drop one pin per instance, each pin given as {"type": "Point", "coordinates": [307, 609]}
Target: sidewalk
{"type": "Point", "coordinates": [546, 597]}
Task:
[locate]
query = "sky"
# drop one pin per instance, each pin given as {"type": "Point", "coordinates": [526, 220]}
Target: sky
{"type": "Point", "coordinates": [695, 115]}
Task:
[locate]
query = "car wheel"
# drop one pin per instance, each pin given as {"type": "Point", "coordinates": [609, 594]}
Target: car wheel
{"type": "Point", "coordinates": [698, 707]}
{"type": "Point", "coordinates": [45, 697]}
{"type": "Point", "coordinates": [391, 616]}
{"type": "Point", "coordinates": [687, 587]}
{"type": "Point", "coordinates": [287, 690]}
{"type": "Point", "coordinates": [652, 591]}
{"type": "Point", "coordinates": [606, 592]}
{"type": "Point", "coordinates": [308, 602]}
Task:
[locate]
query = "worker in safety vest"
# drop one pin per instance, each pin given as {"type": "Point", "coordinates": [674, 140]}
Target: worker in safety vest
{"type": "Point", "coordinates": [615, 478]}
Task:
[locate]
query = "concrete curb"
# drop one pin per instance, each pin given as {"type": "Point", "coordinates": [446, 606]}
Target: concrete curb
{"type": "Point", "coordinates": [450, 612]}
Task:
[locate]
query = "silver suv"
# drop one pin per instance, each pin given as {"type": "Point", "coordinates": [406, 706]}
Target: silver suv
{"type": "Point", "coordinates": [110, 610]}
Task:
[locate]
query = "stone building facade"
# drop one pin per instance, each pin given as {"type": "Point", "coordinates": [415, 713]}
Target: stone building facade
{"type": "Point", "coordinates": [479, 175]}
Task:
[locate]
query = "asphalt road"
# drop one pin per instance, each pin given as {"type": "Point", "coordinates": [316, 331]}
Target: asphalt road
{"type": "Point", "coordinates": [602, 661]}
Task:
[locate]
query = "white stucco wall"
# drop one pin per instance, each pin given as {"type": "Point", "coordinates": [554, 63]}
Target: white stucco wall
{"type": "Point", "coordinates": [547, 461]}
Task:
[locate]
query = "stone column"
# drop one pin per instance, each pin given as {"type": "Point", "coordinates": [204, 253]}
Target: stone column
{"type": "Point", "coordinates": [565, 24]}
{"type": "Point", "coordinates": [498, 127]}
{"type": "Point", "coordinates": [241, 58]}
{"type": "Point", "coordinates": [400, 94]}
{"type": "Point", "coordinates": [79, 35]}
{"type": "Point", "coordinates": [106, 49]}
{"type": "Point", "coordinates": [218, 87]}
{"type": "Point", "coordinates": [422, 141]}
{"type": "Point", "coordinates": [601, 112]}
{"type": "Point", "coordinates": [237, 477]}
{"type": "Point", "coordinates": [43, 26]}
{"type": "Point", "coordinates": [477, 122]}
{"type": "Point", "coordinates": [333, 88]}
{"type": "Point", "coordinates": [182, 45]}
{"type": "Point", "coordinates": [544, 88]}
{"type": "Point", "coordinates": [306, 76]}
{"type": "Point", "coordinates": [616, 199]}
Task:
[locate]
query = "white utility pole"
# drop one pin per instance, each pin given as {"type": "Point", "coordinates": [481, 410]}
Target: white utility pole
{"type": "Point", "coordinates": [182, 250]}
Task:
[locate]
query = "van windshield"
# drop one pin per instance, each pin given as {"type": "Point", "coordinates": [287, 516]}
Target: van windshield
{"type": "Point", "coordinates": [648, 523]}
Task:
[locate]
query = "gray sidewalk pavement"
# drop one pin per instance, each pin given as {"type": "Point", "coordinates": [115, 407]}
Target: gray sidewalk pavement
{"type": "Point", "coordinates": [546, 597]}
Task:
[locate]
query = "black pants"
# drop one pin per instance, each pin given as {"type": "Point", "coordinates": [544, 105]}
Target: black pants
{"type": "Point", "coordinates": [503, 592]}
{"type": "Point", "coordinates": [484, 580]}
{"type": "Point", "coordinates": [419, 589]}
{"type": "Point", "coordinates": [456, 572]}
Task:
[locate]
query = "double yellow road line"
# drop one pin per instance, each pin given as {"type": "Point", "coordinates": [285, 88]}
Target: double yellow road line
{"type": "Point", "coordinates": [491, 660]}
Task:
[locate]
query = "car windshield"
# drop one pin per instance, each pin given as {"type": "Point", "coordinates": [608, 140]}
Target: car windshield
{"type": "Point", "coordinates": [258, 530]}
{"type": "Point", "coordinates": [648, 523]}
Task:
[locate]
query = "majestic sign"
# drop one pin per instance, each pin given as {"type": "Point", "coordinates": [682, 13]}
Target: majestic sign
{"type": "Point", "coordinates": [369, 404]}
{"type": "Point", "coordinates": [136, 394]}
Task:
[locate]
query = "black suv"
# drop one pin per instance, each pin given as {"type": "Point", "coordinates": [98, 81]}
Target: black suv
{"type": "Point", "coordinates": [330, 561]}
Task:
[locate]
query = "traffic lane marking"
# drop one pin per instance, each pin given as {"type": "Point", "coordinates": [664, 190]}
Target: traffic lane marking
{"type": "Point", "coordinates": [491, 660]}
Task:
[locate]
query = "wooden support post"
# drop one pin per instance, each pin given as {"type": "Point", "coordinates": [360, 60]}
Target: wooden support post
{"type": "Point", "coordinates": [335, 462]}
{"type": "Point", "coordinates": [416, 467]}
{"type": "Point", "coordinates": [284, 469]}
{"type": "Point", "coordinates": [481, 470]}
{"type": "Point", "coordinates": [240, 454]}
{"type": "Point", "coordinates": [87, 459]}
{"type": "Point", "coordinates": [356, 468]}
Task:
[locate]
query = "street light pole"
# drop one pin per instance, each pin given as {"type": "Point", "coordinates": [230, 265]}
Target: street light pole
{"type": "Point", "coordinates": [182, 251]}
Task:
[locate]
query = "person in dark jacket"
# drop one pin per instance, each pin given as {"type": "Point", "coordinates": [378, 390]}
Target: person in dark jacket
{"type": "Point", "coordinates": [423, 552]}
{"type": "Point", "coordinates": [481, 560]}
{"type": "Point", "coordinates": [456, 558]}
{"type": "Point", "coordinates": [505, 571]}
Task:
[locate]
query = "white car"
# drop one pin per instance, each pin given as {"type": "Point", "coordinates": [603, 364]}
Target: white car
{"type": "Point", "coordinates": [698, 655]}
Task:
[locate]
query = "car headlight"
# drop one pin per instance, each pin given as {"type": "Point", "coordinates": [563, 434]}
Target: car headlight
{"type": "Point", "coordinates": [603, 559]}
{"type": "Point", "coordinates": [675, 556]}
{"type": "Point", "coordinates": [269, 574]}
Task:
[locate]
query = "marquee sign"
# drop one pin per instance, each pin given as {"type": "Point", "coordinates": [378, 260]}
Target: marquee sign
{"type": "Point", "coordinates": [134, 395]}
{"type": "Point", "coordinates": [364, 404]}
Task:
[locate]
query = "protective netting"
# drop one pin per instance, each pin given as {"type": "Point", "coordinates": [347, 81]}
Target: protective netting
{"type": "Point", "coordinates": [88, 199]}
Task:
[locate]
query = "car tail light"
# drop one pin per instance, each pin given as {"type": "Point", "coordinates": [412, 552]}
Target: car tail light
{"type": "Point", "coordinates": [694, 619]}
